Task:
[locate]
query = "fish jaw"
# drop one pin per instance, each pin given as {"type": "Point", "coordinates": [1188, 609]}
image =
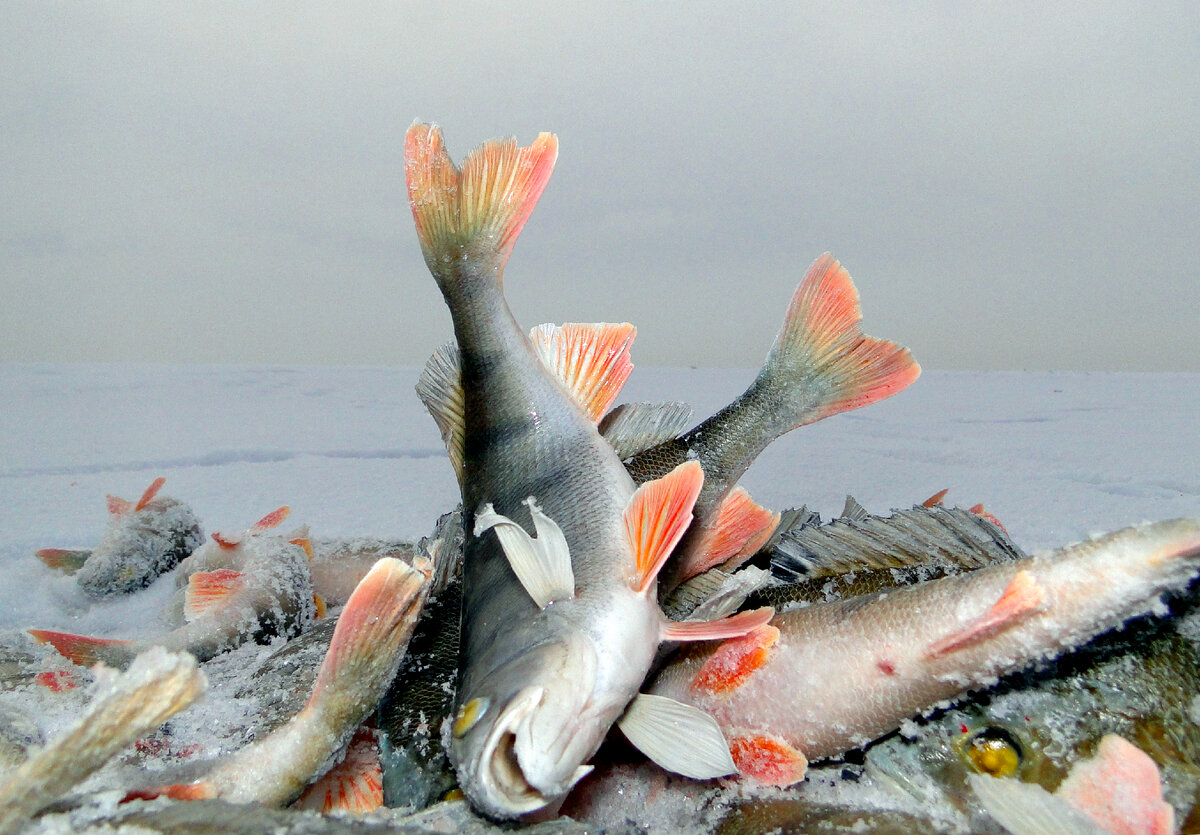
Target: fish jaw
{"type": "Point", "coordinates": [523, 733]}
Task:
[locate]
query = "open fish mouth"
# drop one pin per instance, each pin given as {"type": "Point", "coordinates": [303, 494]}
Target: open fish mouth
{"type": "Point", "coordinates": [507, 789]}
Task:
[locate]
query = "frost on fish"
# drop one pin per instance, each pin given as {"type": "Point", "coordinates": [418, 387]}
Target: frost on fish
{"type": "Point", "coordinates": [885, 657]}
{"type": "Point", "coordinates": [142, 541]}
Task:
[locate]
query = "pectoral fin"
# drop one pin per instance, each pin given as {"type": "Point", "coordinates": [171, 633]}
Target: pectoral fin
{"type": "Point", "coordinates": [543, 565]}
{"type": "Point", "coordinates": [1023, 596]}
{"type": "Point", "coordinates": [208, 590]}
{"type": "Point", "coordinates": [678, 737]}
{"type": "Point", "coordinates": [658, 514]}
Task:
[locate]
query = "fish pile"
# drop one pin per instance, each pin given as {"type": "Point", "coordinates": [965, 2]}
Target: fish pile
{"type": "Point", "coordinates": [609, 616]}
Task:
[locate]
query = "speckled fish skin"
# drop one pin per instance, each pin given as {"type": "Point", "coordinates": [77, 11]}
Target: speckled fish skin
{"type": "Point", "coordinates": [525, 437]}
{"type": "Point", "coordinates": [855, 669]}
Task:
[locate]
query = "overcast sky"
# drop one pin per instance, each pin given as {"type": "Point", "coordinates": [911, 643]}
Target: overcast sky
{"type": "Point", "coordinates": [1011, 185]}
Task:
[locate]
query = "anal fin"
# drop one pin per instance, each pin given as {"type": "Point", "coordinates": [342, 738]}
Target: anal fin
{"type": "Point", "coordinates": [680, 738]}
{"type": "Point", "coordinates": [591, 360]}
{"type": "Point", "coordinates": [768, 759]}
{"type": "Point", "coordinates": [1022, 597]}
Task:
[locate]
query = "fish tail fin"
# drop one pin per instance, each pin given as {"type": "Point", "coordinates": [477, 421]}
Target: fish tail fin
{"type": "Point", "coordinates": [85, 651]}
{"type": "Point", "coordinates": [62, 559]}
{"type": "Point", "coordinates": [202, 790]}
{"type": "Point", "coordinates": [475, 212]}
{"type": "Point", "coordinates": [821, 350]}
{"type": "Point", "coordinates": [371, 633]}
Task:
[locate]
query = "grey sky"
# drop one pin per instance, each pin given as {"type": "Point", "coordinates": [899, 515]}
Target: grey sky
{"type": "Point", "coordinates": [1012, 185]}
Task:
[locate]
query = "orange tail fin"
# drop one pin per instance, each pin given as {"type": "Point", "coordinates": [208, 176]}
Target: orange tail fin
{"type": "Point", "coordinates": [86, 651]}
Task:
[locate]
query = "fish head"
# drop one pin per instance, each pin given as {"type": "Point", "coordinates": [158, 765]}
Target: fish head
{"type": "Point", "coordinates": [520, 737]}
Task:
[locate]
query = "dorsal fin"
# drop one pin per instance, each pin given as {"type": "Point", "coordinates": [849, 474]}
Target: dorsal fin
{"type": "Point", "coordinates": [543, 565]}
{"type": "Point", "coordinates": [657, 516]}
{"type": "Point", "coordinates": [151, 492]}
{"type": "Point", "coordinates": [592, 360]}
{"type": "Point", "coordinates": [741, 527]}
{"type": "Point", "coordinates": [440, 389]}
{"type": "Point", "coordinates": [208, 590]}
{"type": "Point", "coordinates": [118, 506]}
{"type": "Point", "coordinates": [632, 428]}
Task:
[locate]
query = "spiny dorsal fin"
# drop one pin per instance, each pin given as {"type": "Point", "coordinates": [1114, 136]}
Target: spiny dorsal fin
{"type": "Point", "coordinates": [657, 516]}
{"type": "Point", "coordinates": [632, 428]}
{"type": "Point", "coordinates": [440, 389]}
{"type": "Point", "coordinates": [678, 737]}
{"type": "Point", "coordinates": [591, 360]}
{"type": "Point", "coordinates": [483, 205]}
{"type": "Point", "coordinates": [150, 493]}
{"type": "Point", "coordinates": [208, 590]}
{"type": "Point", "coordinates": [543, 565]}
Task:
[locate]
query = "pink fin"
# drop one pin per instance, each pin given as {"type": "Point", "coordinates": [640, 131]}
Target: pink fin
{"type": "Point", "coordinates": [56, 681]}
{"type": "Point", "coordinates": [736, 660]}
{"type": "Point", "coordinates": [207, 590]}
{"type": "Point", "coordinates": [936, 499]}
{"type": "Point", "coordinates": [1023, 596]}
{"type": "Point", "coordinates": [63, 560]}
{"type": "Point", "coordinates": [482, 207]}
{"type": "Point", "coordinates": [1120, 789]}
{"type": "Point", "coordinates": [733, 626]}
{"type": "Point", "coordinates": [657, 516]}
{"type": "Point", "coordinates": [271, 520]}
{"type": "Point", "coordinates": [117, 506]}
{"type": "Point", "coordinates": [354, 785]}
{"type": "Point", "coordinates": [203, 790]}
{"type": "Point", "coordinates": [591, 360]}
{"type": "Point", "coordinates": [768, 759]}
{"type": "Point", "coordinates": [979, 511]}
{"type": "Point", "coordinates": [822, 325]}
{"type": "Point", "coordinates": [227, 540]}
{"type": "Point", "coordinates": [742, 527]}
{"type": "Point", "coordinates": [377, 619]}
{"type": "Point", "coordinates": [82, 650]}
{"type": "Point", "coordinates": [151, 492]}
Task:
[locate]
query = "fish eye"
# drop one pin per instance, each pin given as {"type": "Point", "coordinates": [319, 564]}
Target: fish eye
{"type": "Point", "coordinates": [468, 715]}
{"type": "Point", "coordinates": [994, 751]}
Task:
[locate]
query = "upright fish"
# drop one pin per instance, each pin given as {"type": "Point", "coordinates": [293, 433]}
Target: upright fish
{"type": "Point", "coordinates": [559, 629]}
{"type": "Point", "coordinates": [855, 669]}
{"type": "Point", "coordinates": [239, 587]}
{"type": "Point", "coordinates": [821, 364]}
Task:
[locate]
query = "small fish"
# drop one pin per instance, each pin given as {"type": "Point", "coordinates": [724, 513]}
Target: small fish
{"type": "Point", "coordinates": [559, 626]}
{"type": "Point", "coordinates": [238, 588]}
{"type": "Point", "coordinates": [124, 707]}
{"type": "Point", "coordinates": [364, 652]}
{"type": "Point", "coordinates": [855, 669]}
{"type": "Point", "coordinates": [821, 364]}
{"type": "Point", "coordinates": [143, 541]}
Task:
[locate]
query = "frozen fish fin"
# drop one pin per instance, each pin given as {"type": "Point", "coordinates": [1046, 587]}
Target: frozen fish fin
{"type": "Point", "coordinates": [208, 590]}
{"type": "Point", "coordinates": [1120, 789]}
{"type": "Point", "coordinates": [226, 540]}
{"type": "Point", "coordinates": [733, 626]}
{"type": "Point", "coordinates": [271, 520]}
{"type": "Point", "coordinates": [543, 565]}
{"type": "Point", "coordinates": [1023, 596]}
{"type": "Point", "coordinates": [150, 493]}
{"type": "Point", "coordinates": [741, 527]}
{"type": "Point", "coordinates": [158, 685]}
{"type": "Point", "coordinates": [658, 514]}
{"type": "Point", "coordinates": [822, 344]}
{"type": "Point", "coordinates": [118, 506]}
{"type": "Point", "coordinates": [736, 660]}
{"type": "Point", "coordinates": [1027, 808]}
{"type": "Point", "coordinates": [768, 759]}
{"type": "Point", "coordinates": [85, 651]}
{"type": "Point", "coordinates": [680, 738]}
{"type": "Point", "coordinates": [591, 360]}
{"type": "Point", "coordinates": [354, 785]}
{"type": "Point", "coordinates": [61, 559]}
{"type": "Point", "coordinates": [636, 427]}
{"type": "Point", "coordinates": [852, 511]}
{"type": "Point", "coordinates": [936, 499]}
{"type": "Point", "coordinates": [201, 790]}
{"type": "Point", "coordinates": [483, 206]}
{"type": "Point", "coordinates": [440, 389]}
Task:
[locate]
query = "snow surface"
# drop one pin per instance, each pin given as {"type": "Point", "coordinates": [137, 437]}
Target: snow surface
{"type": "Point", "coordinates": [1056, 456]}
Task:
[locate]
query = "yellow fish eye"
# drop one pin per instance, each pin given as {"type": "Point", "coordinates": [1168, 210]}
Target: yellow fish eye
{"type": "Point", "coordinates": [468, 715]}
{"type": "Point", "coordinates": [994, 751]}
